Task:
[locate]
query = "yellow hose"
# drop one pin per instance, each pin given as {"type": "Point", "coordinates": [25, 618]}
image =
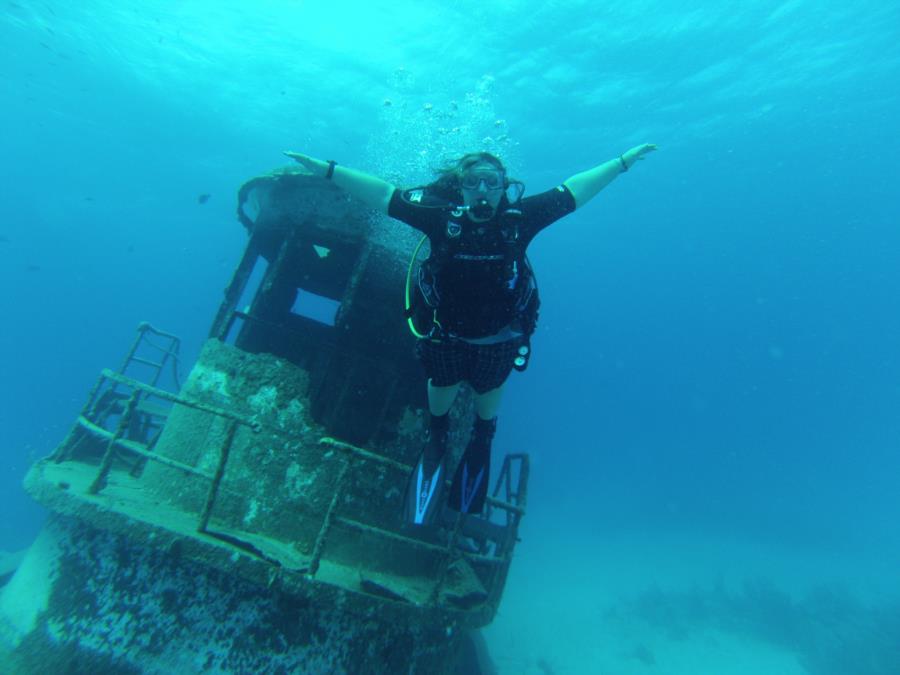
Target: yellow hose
{"type": "Point", "coordinates": [412, 262]}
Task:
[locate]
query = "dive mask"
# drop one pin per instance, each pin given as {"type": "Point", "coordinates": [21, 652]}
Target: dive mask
{"type": "Point", "coordinates": [492, 180]}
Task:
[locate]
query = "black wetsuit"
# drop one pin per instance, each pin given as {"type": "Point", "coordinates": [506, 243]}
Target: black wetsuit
{"type": "Point", "coordinates": [477, 283]}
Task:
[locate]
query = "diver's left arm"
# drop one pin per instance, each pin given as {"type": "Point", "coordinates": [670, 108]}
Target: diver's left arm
{"type": "Point", "coordinates": [584, 186]}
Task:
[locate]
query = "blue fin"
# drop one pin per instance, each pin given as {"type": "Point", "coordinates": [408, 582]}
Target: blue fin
{"type": "Point", "coordinates": [425, 491]}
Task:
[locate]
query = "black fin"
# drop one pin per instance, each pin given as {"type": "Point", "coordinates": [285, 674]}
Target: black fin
{"type": "Point", "coordinates": [470, 482]}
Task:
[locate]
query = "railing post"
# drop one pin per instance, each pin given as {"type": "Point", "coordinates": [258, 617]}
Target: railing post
{"type": "Point", "coordinates": [63, 450]}
{"type": "Point", "coordinates": [110, 454]}
{"type": "Point", "coordinates": [449, 556]}
{"type": "Point", "coordinates": [224, 451]}
{"type": "Point", "coordinates": [326, 523]}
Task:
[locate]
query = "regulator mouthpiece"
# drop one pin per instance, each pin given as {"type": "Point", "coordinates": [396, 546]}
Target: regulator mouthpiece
{"type": "Point", "coordinates": [482, 209]}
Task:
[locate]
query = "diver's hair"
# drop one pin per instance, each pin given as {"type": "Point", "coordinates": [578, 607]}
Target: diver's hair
{"type": "Point", "coordinates": [449, 177]}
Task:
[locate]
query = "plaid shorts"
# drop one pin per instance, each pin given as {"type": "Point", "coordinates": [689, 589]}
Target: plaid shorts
{"type": "Point", "coordinates": [484, 367]}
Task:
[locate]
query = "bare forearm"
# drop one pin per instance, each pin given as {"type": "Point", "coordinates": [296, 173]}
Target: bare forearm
{"type": "Point", "coordinates": [367, 188]}
{"type": "Point", "coordinates": [584, 186]}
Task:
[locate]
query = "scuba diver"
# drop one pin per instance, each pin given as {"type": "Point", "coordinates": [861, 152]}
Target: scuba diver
{"type": "Point", "coordinates": [476, 302]}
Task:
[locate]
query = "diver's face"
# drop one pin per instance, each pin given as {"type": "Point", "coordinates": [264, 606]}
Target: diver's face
{"type": "Point", "coordinates": [482, 182]}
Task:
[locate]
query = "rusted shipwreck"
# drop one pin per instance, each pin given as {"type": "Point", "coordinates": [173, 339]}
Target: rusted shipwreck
{"type": "Point", "coordinates": [247, 520]}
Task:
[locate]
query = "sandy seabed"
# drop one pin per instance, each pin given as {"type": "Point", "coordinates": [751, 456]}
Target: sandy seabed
{"type": "Point", "coordinates": [677, 605]}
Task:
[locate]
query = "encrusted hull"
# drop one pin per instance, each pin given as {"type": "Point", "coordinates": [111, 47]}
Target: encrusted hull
{"type": "Point", "coordinates": [86, 600]}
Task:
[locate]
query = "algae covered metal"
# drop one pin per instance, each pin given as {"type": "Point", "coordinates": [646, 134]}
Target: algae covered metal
{"type": "Point", "coordinates": [248, 519]}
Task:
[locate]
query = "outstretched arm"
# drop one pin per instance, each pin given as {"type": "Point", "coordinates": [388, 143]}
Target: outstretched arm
{"type": "Point", "coordinates": [369, 189]}
{"type": "Point", "coordinates": [584, 186]}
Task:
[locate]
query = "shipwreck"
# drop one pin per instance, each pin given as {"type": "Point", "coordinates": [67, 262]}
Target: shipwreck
{"type": "Point", "coordinates": [247, 518]}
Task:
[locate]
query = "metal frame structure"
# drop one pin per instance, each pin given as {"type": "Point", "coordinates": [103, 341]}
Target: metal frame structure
{"type": "Point", "coordinates": [489, 544]}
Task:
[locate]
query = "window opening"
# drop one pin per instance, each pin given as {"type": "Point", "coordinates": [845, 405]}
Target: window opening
{"type": "Point", "coordinates": [246, 299]}
{"type": "Point", "coordinates": [315, 307]}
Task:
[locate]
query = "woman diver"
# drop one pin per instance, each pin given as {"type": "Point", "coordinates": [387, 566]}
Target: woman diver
{"type": "Point", "coordinates": [478, 294]}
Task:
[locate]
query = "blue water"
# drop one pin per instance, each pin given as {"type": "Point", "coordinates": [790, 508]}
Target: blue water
{"type": "Point", "coordinates": [717, 351]}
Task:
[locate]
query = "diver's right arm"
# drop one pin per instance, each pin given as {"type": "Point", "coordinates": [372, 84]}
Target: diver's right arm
{"type": "Point", "coordinates": [369, 189]}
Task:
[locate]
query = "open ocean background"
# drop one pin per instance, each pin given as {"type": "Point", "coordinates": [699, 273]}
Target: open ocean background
{"type": "Point", "coordinates": [713, 406]}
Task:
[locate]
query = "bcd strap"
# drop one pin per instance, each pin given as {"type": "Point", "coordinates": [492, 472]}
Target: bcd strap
{"type": "Point", "coordinates": [526, 306]}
